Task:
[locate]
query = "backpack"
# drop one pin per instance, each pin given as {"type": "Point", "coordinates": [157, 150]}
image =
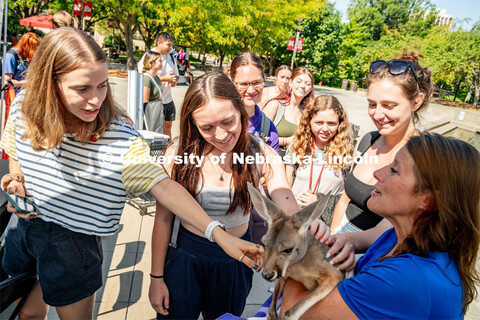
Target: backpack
{"type": "Point", "coordinates": [265, 128]}
{"type": "Point", "coordinates": [17, 59]}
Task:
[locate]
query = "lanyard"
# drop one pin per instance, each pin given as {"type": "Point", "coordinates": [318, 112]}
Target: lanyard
{"type": "Point", "coordinates": [311, 173]}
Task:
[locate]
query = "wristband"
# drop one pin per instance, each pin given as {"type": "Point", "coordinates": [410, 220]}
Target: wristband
{"type": "Point", "coordinates": [212, 225]}
{"type": "Point", "coordinates": [156, 277]}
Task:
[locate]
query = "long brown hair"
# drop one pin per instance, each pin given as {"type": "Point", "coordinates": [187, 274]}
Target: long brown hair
{"type": "Point", "coordinates": [407, 81]}
{"type": "Point", "coordinates": [207, 87]}
{"type": "Point", "coordinates": [61, 51]}
{"type": "Point", "coordinates": [340, 145]}
{"type": "Point", "coordinates": [450, 170]}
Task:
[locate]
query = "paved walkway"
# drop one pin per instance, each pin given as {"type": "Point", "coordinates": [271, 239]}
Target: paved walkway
{"type": "Point", "coordinates": [127, 255]}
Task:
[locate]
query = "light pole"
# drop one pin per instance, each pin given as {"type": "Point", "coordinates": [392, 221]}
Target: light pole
{"type": "Point", "coordinates": [297, 35]}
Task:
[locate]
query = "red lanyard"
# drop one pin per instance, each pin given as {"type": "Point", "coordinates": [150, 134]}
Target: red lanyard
{"type": "Point", "coordinates": [311, 173]}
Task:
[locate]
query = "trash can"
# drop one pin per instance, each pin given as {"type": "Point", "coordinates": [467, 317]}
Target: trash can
{"type": "Point", "coordinates": [344, 84]}
{"type": "Point", "coordinates": [156, 141]}
{"type": "Point", "coordinates": [353, 85]}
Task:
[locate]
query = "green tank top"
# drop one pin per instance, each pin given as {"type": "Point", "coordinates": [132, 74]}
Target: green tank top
{"type": "Point", "coordinates": [285, 128]}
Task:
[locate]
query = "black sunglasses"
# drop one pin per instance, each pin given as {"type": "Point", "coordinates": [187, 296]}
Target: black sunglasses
{"type": "Point", "coordinates": [395, 67]}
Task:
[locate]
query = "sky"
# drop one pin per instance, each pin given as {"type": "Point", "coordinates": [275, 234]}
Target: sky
{"type": "Point", "coordinates": [459, 9]}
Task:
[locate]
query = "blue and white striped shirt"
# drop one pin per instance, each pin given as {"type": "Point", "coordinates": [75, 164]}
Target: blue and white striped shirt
{"type": "Point", "coordinates": [83, 187]}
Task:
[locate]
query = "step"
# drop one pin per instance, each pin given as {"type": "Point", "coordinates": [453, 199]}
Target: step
{"type": "Point", "coordinates": [444, 128]}
{"type": "Point", "coordinates": [429, 126]}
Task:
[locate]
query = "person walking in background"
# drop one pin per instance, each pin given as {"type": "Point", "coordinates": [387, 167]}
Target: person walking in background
{"type": "Point", "coordinates": [15, 63]}
{"type": "Point", "coordinates": [62, 19]}
{"type": "Point", "coordinates": [188, 73]}
{"type": "Point", "coordinates": [168, 76]}
{"type": "Point", "coordinates": [18, 58]}
{"type": "Point", "coordinates": [323, 133]}
{"type": "Point", "coordinates": [247, 73]}
{"type": "Point", "coordinates": [280, 88]}
{"type": "Point", "coordinates": [80, 157]}
{"type": "Point", "coordinates": [152, 92]}
{"type": "Point", "coordinates": [286, 113]}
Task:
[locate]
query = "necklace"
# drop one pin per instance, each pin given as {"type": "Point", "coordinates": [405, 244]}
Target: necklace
{"type": "Point", "coordinates": [219, 168]}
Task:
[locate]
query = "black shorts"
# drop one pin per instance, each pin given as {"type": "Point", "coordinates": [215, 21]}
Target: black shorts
{"type": "Point", "coordinates": [68, 263]}
{"type": "Point", "coordinates": [169, 111]}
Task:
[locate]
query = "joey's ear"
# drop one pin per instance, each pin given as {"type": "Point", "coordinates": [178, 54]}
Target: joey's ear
{"type": "Point", "coordinates": [307, 215]}
{"type": "Point", "coordinates": [265, 207]}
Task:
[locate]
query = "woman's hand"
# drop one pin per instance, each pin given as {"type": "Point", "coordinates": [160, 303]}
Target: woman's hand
{"type": "Point", "coordinates": [306, 198]}
{"type": "Point", "coordinates": [13, 183]}
{"type": "Point", "coordinates": [248, 253]}
{"type": "Point", "coordinates": [342, 251]}
{"type": "Point", "coordinates": [320, 230]}
{"type": "Point", "coordinates": [159, 296]}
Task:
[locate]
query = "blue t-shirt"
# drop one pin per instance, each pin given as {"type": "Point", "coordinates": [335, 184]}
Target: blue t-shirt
{"type": "Point", "coordinates": [9, 64]}
{"type": "Point", "coordinates": [255, 126]}
{"type": "Point", "coordinates": [403, 287]}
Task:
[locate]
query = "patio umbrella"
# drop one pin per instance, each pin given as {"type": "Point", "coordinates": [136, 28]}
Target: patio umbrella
{"type": "Point", "coordinates": [40, 21]}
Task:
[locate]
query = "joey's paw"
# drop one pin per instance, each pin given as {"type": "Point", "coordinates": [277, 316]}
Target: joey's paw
{"type": "Point", "coordinates": [272, 315]}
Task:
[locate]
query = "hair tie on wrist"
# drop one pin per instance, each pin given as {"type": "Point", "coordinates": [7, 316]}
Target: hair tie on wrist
{"type": "Point", "coordinates": [156, 277]}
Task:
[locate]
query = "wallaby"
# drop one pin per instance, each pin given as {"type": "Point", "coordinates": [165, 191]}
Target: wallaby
{"type": "Point", "coordinates": [291, 251]}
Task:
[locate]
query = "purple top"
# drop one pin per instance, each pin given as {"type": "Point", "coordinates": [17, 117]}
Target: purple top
{"type": "Point", "coordinates": [255, 125]}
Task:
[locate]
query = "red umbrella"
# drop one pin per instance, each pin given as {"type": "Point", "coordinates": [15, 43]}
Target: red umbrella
{"type": "Point", "coordinates": [40, 21]}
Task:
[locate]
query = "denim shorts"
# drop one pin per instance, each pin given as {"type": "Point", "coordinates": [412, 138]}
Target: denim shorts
{"type": "Point", "coordinates": [68, 263]}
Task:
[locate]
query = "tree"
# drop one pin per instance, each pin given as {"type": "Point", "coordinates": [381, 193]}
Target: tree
{"type": "Point", "coordinates": [126, 13]}
{"type": "Point", "coordinates": [280, 20]}
{"type": "Point", "coordinates": [154, 18]}
{"type": "Point", "coordinates": [354, 39]}
{"type": "Point", "coordinates": [322, 39]}
{"type": "Point", "coordinates": [99, 11]}
{"type": "Point", "coordinates": [381, 15]}
{"type": "Point", "coordinates": [23, 9]}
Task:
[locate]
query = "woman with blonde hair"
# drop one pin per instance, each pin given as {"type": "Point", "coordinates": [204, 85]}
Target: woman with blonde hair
{"type": "Point", "coordinates": [425, 266]}
{"type": "Point", "coordinates": [285, 114]}
{"type": "Point", "coordinates": [152, 92]}
{"type": "Point", "coordinates": [62, 19]}
{"type": "Point", "coordinates": [322, 142]}
{"type": "Point", "coordinates": [80, 157]}
{"type": "Point", "coordinates": [280, 88]}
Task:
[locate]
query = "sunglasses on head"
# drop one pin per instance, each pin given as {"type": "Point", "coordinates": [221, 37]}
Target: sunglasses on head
{"type": "Point", "coordinates": [395, 67]}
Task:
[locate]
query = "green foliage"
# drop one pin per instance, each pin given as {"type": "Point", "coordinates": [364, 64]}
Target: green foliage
{"type": "Point", "coordinates": [378, 29]}
{"type": "Point", "coordinates": [116, 41]}
{"type": "Point", "coordinates": [378, 16]}
{"type": "Point", "coordinates": [323, 37]}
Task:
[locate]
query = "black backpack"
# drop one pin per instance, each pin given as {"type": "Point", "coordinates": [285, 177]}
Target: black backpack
{"type": "Point", "coordinates": [265, 128]}
{"type": "Point", "coordinates": [17, 58]}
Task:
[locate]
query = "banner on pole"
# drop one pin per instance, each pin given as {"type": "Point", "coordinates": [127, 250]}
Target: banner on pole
{"type": "Point", "coordinates": [112, 23]}
{"type": "Point", "coordinates": [77, 8]}
{"type": "Point", "coordinates": [291, 44]}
